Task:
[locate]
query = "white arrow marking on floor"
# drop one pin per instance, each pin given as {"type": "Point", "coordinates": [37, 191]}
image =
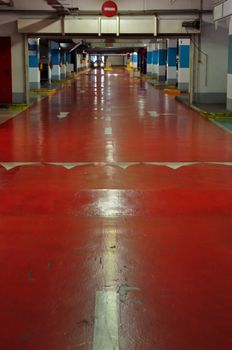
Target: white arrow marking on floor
{"type": "Point", "coordinates": [63, 115]}
{"type": "Point", "coordinates": [106, 321]}
{"type": "Point", "coordinates": [108, 131]}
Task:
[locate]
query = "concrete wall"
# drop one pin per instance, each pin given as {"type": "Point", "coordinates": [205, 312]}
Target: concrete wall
{"type": "Point", "coordinates": [210, 72]}
{"type": "Point", "coordinates": [8, 27]}
{"type": "Point", "coordinates": [116, 60]}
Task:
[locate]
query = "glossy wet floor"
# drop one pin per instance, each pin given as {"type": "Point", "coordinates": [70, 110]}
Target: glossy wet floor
{"type": "Point", "coordinates": [114, 245]}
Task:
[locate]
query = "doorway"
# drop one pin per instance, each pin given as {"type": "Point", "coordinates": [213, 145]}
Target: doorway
{"type": "Point", "coordinates": [5, 71]}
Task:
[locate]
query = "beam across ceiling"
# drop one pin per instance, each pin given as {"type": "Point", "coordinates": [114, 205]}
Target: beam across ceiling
{"type": "Point", "coordinates": [8, 3]}
{"type": "Point", "coordinates": [59, 6]}
{"type": "Point", "coordinates": [60, 9]}
{"type": "Point", "coordinates": [149, 26]}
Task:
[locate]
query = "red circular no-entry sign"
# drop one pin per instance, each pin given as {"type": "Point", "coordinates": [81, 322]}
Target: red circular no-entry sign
{"type": "Point", "coordinates": [109, 9]}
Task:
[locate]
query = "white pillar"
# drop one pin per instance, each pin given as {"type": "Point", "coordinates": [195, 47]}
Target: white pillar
{"type": "Point", "coordinates": [184, 64]}
{"type": "Point", "coordinates": [64, 66]}
{"type": "Point", "coordinates": [229, 75]}
{"type": "Point", "coordinates": [171, 64]}
{"type": "Point", "coordinates": [149, 60]}
{"type": "Point", "coordinates": [155, 60]}
{"type": "Point", "coordinates": [55, 57]}
{"type": "Point", "coordinates": [34, 57]}
{"type": "Point", "coordinates": [162, 59]}
{"type": "Point", "coordinates": [69, 65]}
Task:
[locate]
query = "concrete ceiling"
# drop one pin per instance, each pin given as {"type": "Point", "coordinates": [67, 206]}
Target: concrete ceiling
{"type": "Point", "coordinates": [54, 6]}
{"type": "Point", "coordinates": [102, 45]}
{"type": "Point", "coordinates": [124, 5]}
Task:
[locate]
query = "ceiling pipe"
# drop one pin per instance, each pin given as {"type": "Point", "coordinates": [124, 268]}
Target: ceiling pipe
{"type": "Point", "coordinates": [77, 45]}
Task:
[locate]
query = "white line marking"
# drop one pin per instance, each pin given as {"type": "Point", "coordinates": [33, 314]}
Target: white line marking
{"type": "Point", "coordinates": [63, 115]}
{"type": "Point", "coordinates": [168, 114]}
{"type": "Point", "coordinates": [174, 166]}
{"type": "Point", "coordinates": [125, 165]}
{"type": "Point", "coordinates": [70, 165]}
{"type": "Point", "coordinates": [106, 321]}
{"type": "Point", "coordinates": [108, 131]}
{"type": "Point", "coordinates": [155, 114]}
{"type": "Point", "coordinates": [9, 166]}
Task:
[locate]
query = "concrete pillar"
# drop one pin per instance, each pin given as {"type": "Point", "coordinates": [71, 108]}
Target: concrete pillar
{"type": "Point", "coordinates": [49, 63]}
{"type": "Point", "coordinates": [20, 65]}
{"type": "Point", "coordinates": [155, 60]}
{"type": "Point", "coordinates": [229, 75]}
{"type": "Point", "coordinates": [34, 58]}
{"type": "Point", "coordinates": [131, 60]}
{"type": "Point", "coordinates": [87, 60]}
{"type": "Point", "coordinates": [135, 60]}
{"type": "Point", "coordinates": [78, 62]}
{"type": "Point", "coordinates": [184, 64]}
{"type": "Point", "coordinates": [162, 58]}
{"type": "Point", "coordinates": [69, 65]}
{"type": "Point", "coordinates": [171, 67]}
{"type": "Point", "coordinates": [149, 60]}
{"type": "Point", "coordinates": [55, 57]}
{"type": "Point", "coordinates": [64, 66]}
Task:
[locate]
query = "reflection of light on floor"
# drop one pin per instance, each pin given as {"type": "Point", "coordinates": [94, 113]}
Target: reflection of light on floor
{"type": "Point", "coordinates": [109, 151]}
{"type": "Point", "coordinates": [112, 203]}
{"type": "Point", "coordinates": [110, 257]}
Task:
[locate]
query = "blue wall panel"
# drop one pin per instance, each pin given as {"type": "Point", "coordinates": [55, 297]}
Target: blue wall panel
{"type": "Point", "coordinates": [184, 56]}
{"type": "Point", "coordinates": [162, 57]}
{"type": "Point", "coordinates": [33, 61]}
{"type": "Point", "coordinates": [172, 53]}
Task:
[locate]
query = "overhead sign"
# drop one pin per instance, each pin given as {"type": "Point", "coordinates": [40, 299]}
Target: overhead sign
{"type": "Point", "coordinates": [109, 9]}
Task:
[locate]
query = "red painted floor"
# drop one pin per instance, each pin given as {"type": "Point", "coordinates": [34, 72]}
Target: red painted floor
{"type": "Point", "coordinates": [65, 234]}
